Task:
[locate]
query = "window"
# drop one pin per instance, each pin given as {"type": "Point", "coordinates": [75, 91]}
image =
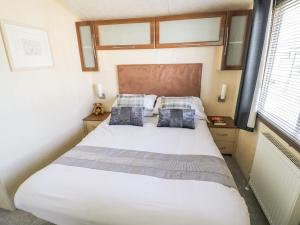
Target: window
{"type": "Point", "coordinates": [280, 95]}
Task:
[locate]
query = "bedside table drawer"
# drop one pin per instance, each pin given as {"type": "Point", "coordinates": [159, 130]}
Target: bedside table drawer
{"type": "Point", "coordinates": [223, 134]}
{"type": "Point", "coordinates": [226, 147]}
{"type": "Point", "coordinates": [91, 125]}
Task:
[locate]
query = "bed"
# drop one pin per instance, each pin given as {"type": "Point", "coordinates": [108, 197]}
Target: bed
{"type": "Point", "coordinates": [77, 195]}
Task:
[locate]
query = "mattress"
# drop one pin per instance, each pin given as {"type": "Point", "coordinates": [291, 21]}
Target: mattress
{"type": "Point", "coordinates": [70, 195]}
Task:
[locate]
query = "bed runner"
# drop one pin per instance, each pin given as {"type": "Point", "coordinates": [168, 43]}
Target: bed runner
{"type": "Point", "coordinates": [166, 166]}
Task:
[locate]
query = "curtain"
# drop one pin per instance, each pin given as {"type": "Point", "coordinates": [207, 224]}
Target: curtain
{"type": "Point", "coordinates": [245, 114]}
{"type": "Point", "coordinates": [256, 95]}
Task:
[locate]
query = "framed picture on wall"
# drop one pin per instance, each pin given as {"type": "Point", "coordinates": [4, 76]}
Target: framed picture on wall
{"type": "Point", "coordinates": [26, 47]}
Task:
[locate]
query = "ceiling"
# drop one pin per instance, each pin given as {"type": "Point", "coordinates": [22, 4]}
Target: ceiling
{"type": "Point", "coordinates": [113, 9]}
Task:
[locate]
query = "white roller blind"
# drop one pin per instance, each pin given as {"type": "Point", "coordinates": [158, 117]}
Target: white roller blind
{"type": "Point", "coordinates": [280, 95]}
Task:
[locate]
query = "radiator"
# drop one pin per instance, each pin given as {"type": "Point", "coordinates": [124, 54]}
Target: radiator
{"type": "Point", "coordinates": [275, 181]}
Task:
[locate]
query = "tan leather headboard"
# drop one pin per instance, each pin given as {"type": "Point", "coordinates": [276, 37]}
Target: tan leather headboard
{"type": "Point", "coordinates": [160, 79]}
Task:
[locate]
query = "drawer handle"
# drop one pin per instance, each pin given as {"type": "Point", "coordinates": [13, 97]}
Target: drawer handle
{"type": "Point", "coordinates": [223, 135]}
{"type": "Point", "coordinates": [222, 148]}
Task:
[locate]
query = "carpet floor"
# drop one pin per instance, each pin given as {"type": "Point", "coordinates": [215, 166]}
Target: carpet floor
{"type": "Point", "coordinates": [257, 217]}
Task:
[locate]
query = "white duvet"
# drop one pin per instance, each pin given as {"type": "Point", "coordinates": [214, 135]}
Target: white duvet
{"type": "Point", "coordinates": [67, 195]}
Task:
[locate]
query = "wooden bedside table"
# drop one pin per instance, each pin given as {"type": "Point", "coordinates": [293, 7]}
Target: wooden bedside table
{"type": "Point", "coordinates": [92, 121]}
{"type": "Point", "coordinates": [225, 136]}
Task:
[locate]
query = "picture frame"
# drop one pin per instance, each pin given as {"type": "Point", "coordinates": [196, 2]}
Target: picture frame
{"type": "Point", "coordinates": [26, 47]}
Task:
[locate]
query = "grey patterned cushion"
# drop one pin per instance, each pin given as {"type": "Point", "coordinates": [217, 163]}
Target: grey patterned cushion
{"type": "Point", "coordinates": [182, 118]}
{"type": "Point", "coordinates": [176, 102]}
{"type": "Point", "coordinates": [126, 116]}
{"type": "Point", "coordinates": [130, 100]}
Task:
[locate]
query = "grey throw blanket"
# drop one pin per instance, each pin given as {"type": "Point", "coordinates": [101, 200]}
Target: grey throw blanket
{"type": "Point", "coordinates": [166, 166]}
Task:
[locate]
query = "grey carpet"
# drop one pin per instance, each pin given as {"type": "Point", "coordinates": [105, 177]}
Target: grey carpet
{"type": "Point", "coordinates": [257, 217]}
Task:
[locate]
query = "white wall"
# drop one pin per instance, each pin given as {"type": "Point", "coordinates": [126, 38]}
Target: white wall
{"type": "Point", "coordinates": [212, 77]}
{"type": "Point", "coordinates": [40, 110]}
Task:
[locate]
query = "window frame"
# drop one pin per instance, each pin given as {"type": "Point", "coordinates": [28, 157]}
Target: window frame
{"type": "Point", "coordinates": [291, 142]}
{"type": "Point", "coordinates": [268, 122]}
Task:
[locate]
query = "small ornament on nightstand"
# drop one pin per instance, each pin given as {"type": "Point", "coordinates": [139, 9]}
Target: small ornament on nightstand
{"type": "Point", "coordinates": [98, 109]}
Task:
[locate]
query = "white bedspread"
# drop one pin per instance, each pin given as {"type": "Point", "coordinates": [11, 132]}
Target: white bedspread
{"type": "Point", "coordinates": [67, 195]}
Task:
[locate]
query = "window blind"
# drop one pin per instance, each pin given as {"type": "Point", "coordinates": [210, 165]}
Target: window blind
{"type": "Point", "coordinates": [280, 94]}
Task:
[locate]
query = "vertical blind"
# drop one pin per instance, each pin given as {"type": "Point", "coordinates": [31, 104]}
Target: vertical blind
{"type": "Point", "coordinates": [280, 94]}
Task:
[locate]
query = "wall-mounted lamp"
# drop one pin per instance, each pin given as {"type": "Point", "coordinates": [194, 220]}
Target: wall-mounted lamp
{"type": "Point", "coordinates": [99, 91]}
{"type": "Point", "coordinates": [222, 96]}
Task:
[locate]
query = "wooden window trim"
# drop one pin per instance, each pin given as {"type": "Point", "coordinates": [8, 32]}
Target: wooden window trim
{"type": "Point", "coordinates": [280, 133]}
{"type": "Point", "coordinates": [125, 21]}
{"type": "Point", "coordinates": [246, 37]}
{"type": "Point", "coordinates": [186, 17]}
{"type": "Point", "coordinates": [83, 67]}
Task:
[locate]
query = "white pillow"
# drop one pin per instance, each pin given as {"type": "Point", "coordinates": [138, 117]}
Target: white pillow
{"type": "Point", "coordinates": [148, 112]}
{"type": "Point", "coordinates": [149, 101]}
{"type": "Point", "coordinates": [197, 106]}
